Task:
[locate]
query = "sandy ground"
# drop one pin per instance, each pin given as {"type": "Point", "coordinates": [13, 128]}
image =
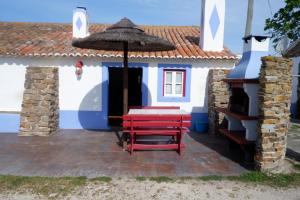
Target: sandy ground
{"type": "Point", "coordinates": [123, 189]}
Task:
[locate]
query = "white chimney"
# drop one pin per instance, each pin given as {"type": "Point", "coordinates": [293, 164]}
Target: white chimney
{"type": "Point", "coordinates": [80, 23]}
{"type": "Point", "coordinates": [212, 25]}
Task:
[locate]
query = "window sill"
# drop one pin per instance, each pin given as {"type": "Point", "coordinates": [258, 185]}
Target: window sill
{"type": "Point", "coordinates": [173, 99]}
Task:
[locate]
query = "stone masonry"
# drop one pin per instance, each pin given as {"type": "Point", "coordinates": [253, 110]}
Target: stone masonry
{"type": "Point", "coordinates": [39, 115]}
{"type": "Point", "coordinates": [218, 96]}
{"type": "Point", "coordinates": [274, 113]}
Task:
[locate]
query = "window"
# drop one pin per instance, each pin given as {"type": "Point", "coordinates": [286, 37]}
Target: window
{"type": "Point", "coordinates": [174, 83]}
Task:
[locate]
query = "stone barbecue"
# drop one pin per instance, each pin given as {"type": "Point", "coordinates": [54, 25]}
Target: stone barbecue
{"type": "Point", "coordinates": [258, 111]}
{"type": "Point", "coordinates": [243, 85]}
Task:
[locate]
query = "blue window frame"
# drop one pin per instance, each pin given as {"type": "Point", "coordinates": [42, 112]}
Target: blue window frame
{"type": "Point", "coordinates": [160, 82]}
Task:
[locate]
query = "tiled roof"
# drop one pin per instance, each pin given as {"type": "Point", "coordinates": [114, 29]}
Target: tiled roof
{"type": "Point", "coordinates": [48, 39]}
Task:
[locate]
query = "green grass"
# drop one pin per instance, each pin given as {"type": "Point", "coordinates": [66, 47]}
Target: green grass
{"type": "Point", "coordinates": [276, 180]}
{"type": "Point", "coordinates": [210, 178]}
{"type": "Point", "coordinates": [140, 178]}
{"type": "Point", "coordinates": [41, 185]}
{"type": "Point", "coordinates": [279, 180]}
{"type": "Point", "coordinates": [61, 186]}
{"type": "Point", "coordinates": [297, 166]}
{"type": "Point", "coordinates": [295, 126]}
{"type": "Point", "coordinates": [104, 179]}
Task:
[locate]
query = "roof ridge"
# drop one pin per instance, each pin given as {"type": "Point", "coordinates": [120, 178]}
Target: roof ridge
{"type": "Point", "coordinates": [97, 24]}
{"type": "Point", "coordinates": [49, 23]}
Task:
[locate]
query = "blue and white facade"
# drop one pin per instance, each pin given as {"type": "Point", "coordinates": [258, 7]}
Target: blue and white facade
{"type": "Point", "coordinates": [83, 103]}
{"type": "Point", "coordinates": [295, 86]}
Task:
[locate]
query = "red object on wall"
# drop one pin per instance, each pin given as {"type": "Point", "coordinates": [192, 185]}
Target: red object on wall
{"type": "Point", "coordinates": [79, 65]}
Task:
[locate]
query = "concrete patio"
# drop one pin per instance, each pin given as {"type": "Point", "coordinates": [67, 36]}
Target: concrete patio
{"type": "Point", "coordinates": [92, 154]}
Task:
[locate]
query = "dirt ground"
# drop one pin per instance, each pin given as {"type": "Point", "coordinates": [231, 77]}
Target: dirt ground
{"type": "Point", "coordinates": [123, 189]}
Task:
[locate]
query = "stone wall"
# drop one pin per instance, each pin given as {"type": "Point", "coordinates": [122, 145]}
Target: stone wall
{"type": "Point", "coordinates": [217, 97]}
{"type": "Point", "coordinates": [274, 113]}
{"type": "Point", "coordinates": [40, 108]}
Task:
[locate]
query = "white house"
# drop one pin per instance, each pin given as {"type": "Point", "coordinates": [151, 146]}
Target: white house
{"type": "Point", "coordinates": [177, 78]}
{"type": "Point", "coordinates": [295, 83]}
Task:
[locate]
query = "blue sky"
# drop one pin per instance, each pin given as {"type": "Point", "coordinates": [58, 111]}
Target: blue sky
{"type": "Point", "coordinates": [152, 12]}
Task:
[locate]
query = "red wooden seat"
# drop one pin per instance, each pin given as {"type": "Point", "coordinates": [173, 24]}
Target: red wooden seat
{"type": "Point", "coordinates": [155, 107]}
{"type": "Point", "coordinates": [163, 125]}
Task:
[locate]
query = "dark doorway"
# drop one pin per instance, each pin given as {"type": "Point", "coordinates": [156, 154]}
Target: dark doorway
{"type": "Point", "coordinates": [115, 99]}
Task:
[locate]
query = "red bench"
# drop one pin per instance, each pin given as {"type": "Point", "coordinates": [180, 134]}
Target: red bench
{"type": "Point", "coordinates": [155, 107]}
{"type": "Point", "coordinates": [162, 125]}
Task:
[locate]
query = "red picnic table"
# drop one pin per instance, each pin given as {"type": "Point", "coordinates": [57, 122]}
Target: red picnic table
{"type": "Point", "coordinates": [156, 121]}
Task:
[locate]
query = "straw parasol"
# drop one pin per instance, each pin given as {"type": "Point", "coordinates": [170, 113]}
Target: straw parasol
{"type": "Point", "coordinates": [123, 36]}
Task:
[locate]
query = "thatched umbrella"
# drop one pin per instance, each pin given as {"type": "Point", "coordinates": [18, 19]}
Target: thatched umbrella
{"type": "Point", "coordinates": [124, 36]}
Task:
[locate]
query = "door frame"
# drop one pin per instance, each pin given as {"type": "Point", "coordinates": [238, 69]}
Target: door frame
{"type": "Point", "coordinates": [105, 83]}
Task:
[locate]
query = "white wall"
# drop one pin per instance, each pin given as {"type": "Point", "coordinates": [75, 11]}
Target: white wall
{"type": "Point", "coordinates": [73, 91]}
{"type": "Point", "coordinates": [295, 83]}
{"type": "Point", "coordinates": [12, 79]}
{"type": "Point", "coordinates": [199, 73]}
{"type": "Point", "coordinates": [209, 17]}
{"type": "Point", "coordinates": [296, 62]}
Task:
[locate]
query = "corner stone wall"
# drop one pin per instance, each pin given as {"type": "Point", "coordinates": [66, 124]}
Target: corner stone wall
{"type": "Point", "coordinates": [40, 108]}
{"type": "Point", "coordinates": [274, 113]}
{"type": "Point", "coordinates": [218, 96]}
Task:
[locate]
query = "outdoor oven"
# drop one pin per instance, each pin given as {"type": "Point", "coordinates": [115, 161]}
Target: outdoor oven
{"type": "Point", "coordinates": [238, 101]}
{"type": "Point", "coordinates": [242, 111]}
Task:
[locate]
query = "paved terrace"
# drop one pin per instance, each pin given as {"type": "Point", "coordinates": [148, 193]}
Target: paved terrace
{"type": "Point", "coordinates": [293, 141]}
{"type": "Point", "coordinates": [92, 154]}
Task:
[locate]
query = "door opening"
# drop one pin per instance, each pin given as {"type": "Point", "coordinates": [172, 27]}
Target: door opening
{"type": "Point", "coordinates": [115, 99]}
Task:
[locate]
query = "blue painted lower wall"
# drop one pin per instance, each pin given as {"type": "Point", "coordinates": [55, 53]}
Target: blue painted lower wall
{"type": "Point", "coordinates": [294, 110]}
{"type": "Point", "coordinates": [9, 123]}
{"type": "Point", "coordinates": [98, 120]}
{"type": "Point", "coordinates": [72, 119]}
{"type": "Point", "coordinates": [198, 117]}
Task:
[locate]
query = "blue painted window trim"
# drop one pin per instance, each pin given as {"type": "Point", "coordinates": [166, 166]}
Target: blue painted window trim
{"type": "Point", "coordinates": [160, 95]}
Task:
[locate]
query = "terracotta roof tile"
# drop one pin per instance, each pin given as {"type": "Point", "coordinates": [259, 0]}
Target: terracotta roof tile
{"type": "Point", "coordinates": [49, 39]}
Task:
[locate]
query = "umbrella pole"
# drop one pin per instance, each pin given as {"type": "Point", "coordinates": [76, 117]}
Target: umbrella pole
{"type": "Point", "coordinates": [125, 91]}
{"type": "Point", "coordinates": [125, 79]}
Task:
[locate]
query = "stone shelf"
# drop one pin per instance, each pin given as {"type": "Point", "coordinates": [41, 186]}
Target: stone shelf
{"type": "Point", "coordinates": [236, 115]}
{"type": "Point", "coordinates": [238, 83]}
{"type": "Point", "coordinates": [236, 136]}
{"type": "Point", "coordinates": [240, 80]}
